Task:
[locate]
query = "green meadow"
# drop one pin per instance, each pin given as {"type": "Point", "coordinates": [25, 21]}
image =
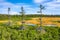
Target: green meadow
{"type": "Point", "coordinates": [15, 32]}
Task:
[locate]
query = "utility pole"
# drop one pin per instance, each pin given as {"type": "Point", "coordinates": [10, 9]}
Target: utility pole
{"type": "Point", "coordinates": [23, 17]}
{"type": "Point", "coordinates": [9, 16]}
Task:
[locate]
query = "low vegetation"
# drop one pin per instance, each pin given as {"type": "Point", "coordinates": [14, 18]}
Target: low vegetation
{"type": "Point", "coordinates": [29, 33]}
{"type": "Point", "coordinates": [14, 32]}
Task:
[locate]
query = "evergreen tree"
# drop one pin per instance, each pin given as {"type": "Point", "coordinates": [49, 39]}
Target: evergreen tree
{"type": "Point", "coordinates": [22, 17]}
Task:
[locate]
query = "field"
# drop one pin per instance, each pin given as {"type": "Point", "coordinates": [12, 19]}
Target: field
{"type": "Point", "coordinates": [29, 32]}
{"type": "Point", "coordinates": [33, 20]}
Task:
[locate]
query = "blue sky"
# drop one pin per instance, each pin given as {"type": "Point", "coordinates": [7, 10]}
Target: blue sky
{"type": "Point", "coordinates": [30, 6]}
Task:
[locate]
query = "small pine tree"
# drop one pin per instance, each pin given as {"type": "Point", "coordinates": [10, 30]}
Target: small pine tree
{"type": "Point", "coordinates": [9, 16]}
{"type": "Point", "coordinates": [41, 8]}
{"type": "Point", "coordinates": [40, 27]}
{"type": "Point", "coordinates": [22, 16]}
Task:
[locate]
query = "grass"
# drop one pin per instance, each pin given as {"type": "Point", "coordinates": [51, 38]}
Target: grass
{"type": "Point", "coordinates": [30, 33]}
{"type": "Point", "coordinates": [14, 32]}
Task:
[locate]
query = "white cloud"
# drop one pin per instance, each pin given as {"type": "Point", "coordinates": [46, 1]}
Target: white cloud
{"type": "Point", "coordinates": [2, 1]}
{"type": "Point", "coordinates": [4, 8]}
{"type": "Point", "coordinates": [38, 1]}
{"type": "Point", "coordinates": [52, 3]}
{"type": "Point", "coordinates": [6, 4]}
{"type": "Point", "coordinates": [58, 0]}
{"type": "Point", "coordinates": [52, 6]}
{"type": "Point", "coordinates": [14, 13]}
{"type": "Point", "coordinates": [15, 8]}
